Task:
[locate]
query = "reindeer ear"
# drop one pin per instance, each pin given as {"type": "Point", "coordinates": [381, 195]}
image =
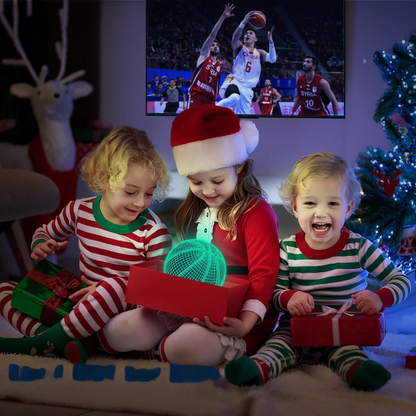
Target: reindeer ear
{"type": "Point", "coordinates": [22, 90]}
{"type": "Point", "coordinates": [81, 89]}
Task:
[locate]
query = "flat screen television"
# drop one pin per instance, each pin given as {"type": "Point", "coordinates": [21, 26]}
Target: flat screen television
{"type": "Point", "coordinates": [176, 31]}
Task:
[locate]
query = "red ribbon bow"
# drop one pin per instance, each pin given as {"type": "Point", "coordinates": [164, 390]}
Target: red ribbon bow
{"type": "Point", "coordinates": [61, 285]}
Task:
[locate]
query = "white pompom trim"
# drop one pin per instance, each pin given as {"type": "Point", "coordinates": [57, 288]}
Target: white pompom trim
{"type": "Point", "coordinates": [210, 154]}
{"type": "Point", "coordinates": [250, 134]}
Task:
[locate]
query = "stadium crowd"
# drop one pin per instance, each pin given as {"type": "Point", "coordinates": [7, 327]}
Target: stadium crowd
{"type": "Point", "coordinates": [176, 30]}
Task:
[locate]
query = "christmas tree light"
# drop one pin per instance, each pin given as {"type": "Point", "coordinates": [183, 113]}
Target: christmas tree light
{"type": "Point", "coordinates": [387, 214]}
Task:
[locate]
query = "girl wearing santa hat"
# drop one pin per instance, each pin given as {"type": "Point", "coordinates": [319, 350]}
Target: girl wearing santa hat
{"type": "Point", "coordinates": [226, 206]}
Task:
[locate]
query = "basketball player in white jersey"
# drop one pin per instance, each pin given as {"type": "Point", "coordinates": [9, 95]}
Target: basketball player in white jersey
{"type": "Point", "coordinates": [246, 67]}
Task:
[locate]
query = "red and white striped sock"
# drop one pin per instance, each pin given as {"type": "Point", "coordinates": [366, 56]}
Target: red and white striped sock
{"type": "Point", "coordinates": [160, 350]}
{"type": "Point", "coordinates": [263, 370]}
{"type": "Point", "coordinates": [23, 323]}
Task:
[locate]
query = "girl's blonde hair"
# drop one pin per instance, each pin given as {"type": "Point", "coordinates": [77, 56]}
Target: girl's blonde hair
{"type": "Point", "coordinates": [106, 167]}
{"type": "Point", "coordinates": [247, 190]}
{"type": "Point", "coordinates": [319, 166]}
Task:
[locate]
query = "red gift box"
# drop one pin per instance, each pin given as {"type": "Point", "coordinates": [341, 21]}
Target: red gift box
{"type": "Point", "coordinates": [83, 149]}
{"type": "Point", "coordinates": [411, 359]}
{"type": "Point", "coordinates": [148, 286]}
{"type": "Point", "coordinates": [338, 329]}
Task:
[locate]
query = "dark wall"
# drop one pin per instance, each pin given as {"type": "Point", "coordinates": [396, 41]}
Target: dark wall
{"type": "Point", "coordinates": [38, 35]}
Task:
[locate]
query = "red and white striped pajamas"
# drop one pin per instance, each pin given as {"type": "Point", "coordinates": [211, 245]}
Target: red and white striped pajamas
{"type": "Point", "coordinates": [23, 323]}
{"type": "Point", "coordinates": [107, 251]}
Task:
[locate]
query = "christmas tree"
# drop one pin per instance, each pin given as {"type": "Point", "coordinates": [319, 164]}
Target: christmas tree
{"type": "Point", "coordinates": [387, 214]}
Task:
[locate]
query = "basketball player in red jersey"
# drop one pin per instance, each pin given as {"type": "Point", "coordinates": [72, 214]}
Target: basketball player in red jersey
{"type": "Point", "coordinates": [204, 83]}
{"type": "Point", "coordinates": [309, 87]}
{"type": "Point", "coordinates": [268, 97]}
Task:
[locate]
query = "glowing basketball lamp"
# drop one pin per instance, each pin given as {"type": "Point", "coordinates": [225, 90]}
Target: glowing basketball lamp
{"type": "Point", "coordinates": [196, 260]}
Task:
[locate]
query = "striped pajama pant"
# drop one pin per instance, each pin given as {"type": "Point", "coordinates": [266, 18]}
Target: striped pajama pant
{"type": "Point", "coordinates": [280, 355]}
{"type": "Point", "coordinates": [23, 323]}
{"type": "Point", "coordinates": [107, 300]}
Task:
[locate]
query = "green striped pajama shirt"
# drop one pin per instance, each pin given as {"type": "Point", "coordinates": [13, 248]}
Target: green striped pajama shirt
{"type": "Point", "coordinates": [331, 276]}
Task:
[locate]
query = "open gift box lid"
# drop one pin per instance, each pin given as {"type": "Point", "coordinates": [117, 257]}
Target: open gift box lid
{"type": "Point", "coordinates": [148, 286]}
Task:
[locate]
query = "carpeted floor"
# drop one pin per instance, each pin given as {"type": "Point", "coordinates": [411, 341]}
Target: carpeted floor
{"type": "Point", "coordinates": [152, 388]}
{"type": "Point", "coordinates": [162, 389]}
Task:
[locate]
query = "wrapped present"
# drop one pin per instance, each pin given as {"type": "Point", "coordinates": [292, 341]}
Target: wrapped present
{"type": "Point", "coordinates": [335, 327]}
{"type": "Point", "coordinates": [82, 150]}
{"type": "Point", "coordinates": [411, 359]}
{"type": "Point", "coordinates": [93, 133]}
{"type": "Point", "coordinates": [148, 286]}
{"type": "Point", "coordinates": [407, 245]}
{"type": "Point", "coordinates": [384, 247]}
{"type": "Point", "coordinates": [43, 292]}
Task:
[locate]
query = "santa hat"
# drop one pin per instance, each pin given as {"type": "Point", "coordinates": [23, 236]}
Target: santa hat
{"type": "Point", "coordinates": [208, 137]}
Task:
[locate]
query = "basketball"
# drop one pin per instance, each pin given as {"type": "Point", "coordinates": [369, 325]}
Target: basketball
{"type": "Point", "coordinates": [258, 21]}
{"type": "Point", "coordinates": [196, 260]}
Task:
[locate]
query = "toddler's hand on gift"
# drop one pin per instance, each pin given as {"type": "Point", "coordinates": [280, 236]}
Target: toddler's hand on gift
{"type": "Point", "coordinates": [300, 303]}
{"type": "Point", "coordinates": [236, 327]}
{"type": "Point", "coordinates": [83, 293]}
{"type": "Point", "coordinates": [368, 302]}
{"type": "Point", "coordinates": [48, 248]}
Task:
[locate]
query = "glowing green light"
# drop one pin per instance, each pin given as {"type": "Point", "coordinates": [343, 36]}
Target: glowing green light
{"type": "Point", "coordinates": [197, 260]}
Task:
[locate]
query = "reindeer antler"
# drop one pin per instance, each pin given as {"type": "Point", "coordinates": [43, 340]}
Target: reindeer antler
{"type": "Point", "coordinates": [13, 33]}
{"type": "Point", "coordinates": [61, 48]}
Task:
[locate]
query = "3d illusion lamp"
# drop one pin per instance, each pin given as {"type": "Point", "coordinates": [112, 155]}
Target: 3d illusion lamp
{"type": "Point", "coordinates": [196, 260]}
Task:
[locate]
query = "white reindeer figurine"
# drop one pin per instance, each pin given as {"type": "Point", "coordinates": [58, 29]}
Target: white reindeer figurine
{"type": "Point", "coordinates": [52, 101]}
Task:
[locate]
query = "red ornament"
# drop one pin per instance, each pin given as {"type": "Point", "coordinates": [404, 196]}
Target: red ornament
{"type": "Point", "coordinates": [411, 359]}
{"type": "Point", "coordinates": [384, 247]}
{"type": "Point", "coordinates": [396, 117]}
{"type": "Point", "coordinates": [407, 245]}
{"type": "Point", "coordinates": [389, 185]}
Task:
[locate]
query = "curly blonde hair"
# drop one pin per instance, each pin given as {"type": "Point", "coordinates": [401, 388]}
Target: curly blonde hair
{"type": "Point", "coordinates": [319, 165]}
{"type": "Point", "coordinates": [106, 167]}
{"type": "Point", "coordinates": [246, 191]}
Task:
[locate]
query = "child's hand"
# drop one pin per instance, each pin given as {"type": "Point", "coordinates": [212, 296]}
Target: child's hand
{"type": "Point", "coordinates": [48, 248]}
{"type": "Point", "coordinates": [83, 293]}
{"type": "Point", "coordinates": [368, 302]}
{"type": "Point", "coordinates": [236, 327]}
{"type": "Point", "coordinates": [300, 303]}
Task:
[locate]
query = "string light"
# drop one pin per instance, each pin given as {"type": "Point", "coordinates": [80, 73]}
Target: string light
{"type": "Point", "coordinates": [397, 193]}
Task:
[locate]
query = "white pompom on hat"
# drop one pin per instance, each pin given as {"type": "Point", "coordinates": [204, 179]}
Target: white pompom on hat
{"type": "Point", "coordinates": [208, 137]}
